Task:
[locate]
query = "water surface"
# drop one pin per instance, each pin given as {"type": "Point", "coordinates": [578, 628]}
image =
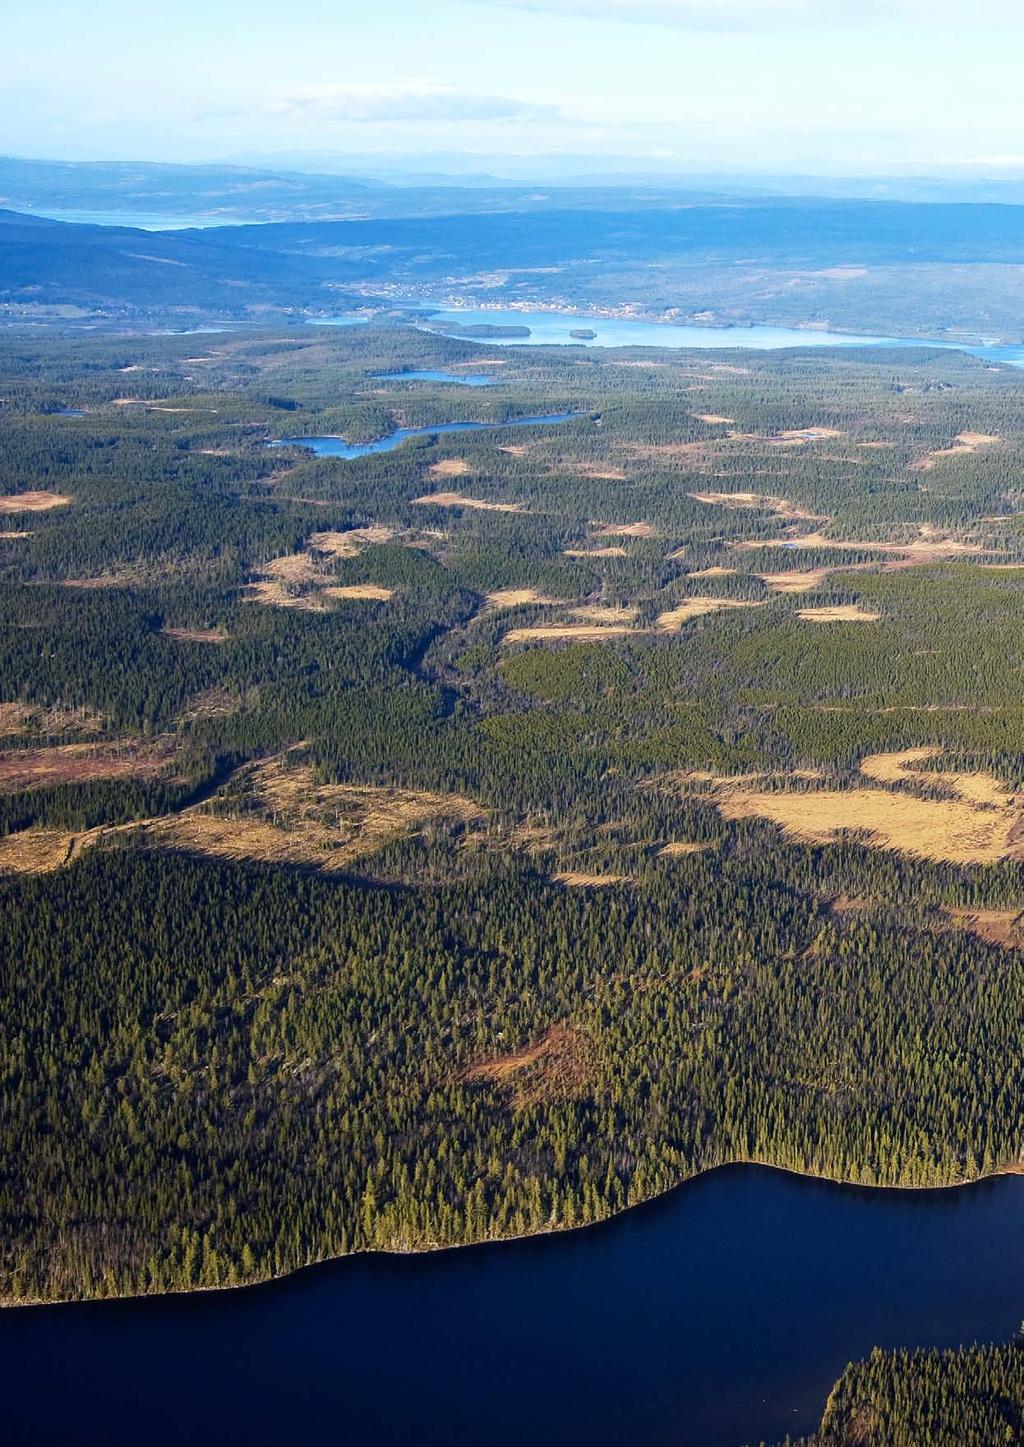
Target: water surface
{"type": "Point", "coordinates": [548, 328]}
{"type": "Point", "coordinates": [138, 220]}
{"type": "Point", "coordinates": [553, 328]}
{"type": "Point", "coordinates": [464, 379]}
{"type": "Point", "coordinates": [718, 1315]}
{"type": "Point", "coordinates": [338, 447]}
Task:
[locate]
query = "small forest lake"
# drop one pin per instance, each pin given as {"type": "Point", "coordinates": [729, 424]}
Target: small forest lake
{"type": "Point", "coordinates": [718, 1315]}
{"type": "Point", "coordinates": [467, 379]}
{"type": "Point", "coordinates": [338, 447]}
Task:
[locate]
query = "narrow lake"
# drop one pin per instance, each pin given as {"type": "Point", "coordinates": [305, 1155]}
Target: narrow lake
{"type": "Point", "coordinates": [138, 220]}
{"type": "Point", "coordinates": [716, 1316]}
{"type": "Point", "coordinates": [466, 379]}
{"type": "Point", "coordinates": [338, 447]}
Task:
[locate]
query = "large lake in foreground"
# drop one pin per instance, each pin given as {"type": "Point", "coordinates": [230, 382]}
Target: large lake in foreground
{"type": "Point", "coordinates": [715, 1316]}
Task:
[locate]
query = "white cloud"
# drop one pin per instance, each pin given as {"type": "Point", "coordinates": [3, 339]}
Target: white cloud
{"type": "Point", "coordinates": [770, 14]}
{"type": "Point", "coordinates": [403, 101]}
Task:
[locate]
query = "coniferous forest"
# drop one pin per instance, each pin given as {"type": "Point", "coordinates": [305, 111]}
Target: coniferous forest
{"type": "Point", "coordinates": [480, 837]}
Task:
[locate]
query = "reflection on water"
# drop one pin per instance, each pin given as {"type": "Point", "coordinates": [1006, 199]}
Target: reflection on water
{"type": "Point", "coordinates": [718, 1315]}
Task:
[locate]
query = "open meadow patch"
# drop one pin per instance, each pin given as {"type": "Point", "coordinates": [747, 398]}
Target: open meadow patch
{"type": "Point", "coordinates": [977, 822]}
{"type": "Point", "coordinates": [33, 501]}
{"type": "Point", "coordinates": [839, 613]}
{"type": "Point", "coordinates": [458, 499]}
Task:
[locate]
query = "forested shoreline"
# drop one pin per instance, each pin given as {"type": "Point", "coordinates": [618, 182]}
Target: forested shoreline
{"type": "Point", "coordinates": [481, 838]}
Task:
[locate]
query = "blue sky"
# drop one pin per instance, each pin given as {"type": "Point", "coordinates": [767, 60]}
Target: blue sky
{"type": "Point", "coordinates": [845, 86]}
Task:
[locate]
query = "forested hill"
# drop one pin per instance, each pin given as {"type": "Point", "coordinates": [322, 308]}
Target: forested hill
{"type": "Point", "coordinates": [887, 268]}
{"type": "Point", "coordinates": [788, 230]}
{"type": "Point", "coordinates": [973, 1397]}
{"type": "Point", "coordinates": [54, 263]}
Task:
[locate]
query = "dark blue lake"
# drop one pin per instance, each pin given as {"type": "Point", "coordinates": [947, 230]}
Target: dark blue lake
{"type": "Point", "coordinates": [338, 447]}
{"type": "Point", "coordinates": [715, 1316]}
{"type": "Point", "coordinates": [465, 379]}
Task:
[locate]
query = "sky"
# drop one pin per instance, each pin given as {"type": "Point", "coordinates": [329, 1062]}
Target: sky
{"type": "Point", "coordinates": [839, 87]}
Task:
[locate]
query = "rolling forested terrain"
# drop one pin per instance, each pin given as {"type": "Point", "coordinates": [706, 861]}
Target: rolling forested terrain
{"type": "Point", "coordinates": [479, 837]}
{"type": "Point", "coordinates": [933, 269]}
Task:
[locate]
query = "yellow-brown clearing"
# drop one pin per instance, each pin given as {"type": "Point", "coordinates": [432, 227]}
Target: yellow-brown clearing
{"type": "Point", "coordinates": [714, 420]}
{"type": "Point", "coordinates": [9, 534]}
{"type": "Point", "coordinates": [348, 544]}
{"type": "Point", "coordinates": [450, 467]}
{"type": "Point", "coordinates": [623, 530]}
{"type": "Point", "coordinates": [964, 443]}
{"type": "Point", "coordinates": [979, 789]}
{"type": "Point", "coordinates": [672, 620]}
{"type": "Point", "coordinates": [716, 571]}
{"type": "Point", "coordinates": [291, 568]}
{"type": "Point", "coordinates": [762, 502]}
{"type": "Point", "coordinates": [283, 815]}
{"type": "Point", "coordinates": [196, 635]}
{"type": "Point", "coordinates": [269, 813]}
{"type": "Point", "coordinates": [605, 613]}
{"type": "Point", "coordinates": [34, 851]}
{"type": "Point", "coordinates": [520, 598]}
{"type": "Point", "coordinates": [574, 879]}
{"type": "Point", "coordinates": [679, 847]}
{"type": "Point", "coordinates": [980, 823]}
{"type": "Point", "coordinates": [33, 501]}
{"type": "Point", "coordinates": [370, 591]}
{"type": "Point", "coordinates": [576, 632]}
{"type": "Point", "coordinates": [807, 434]}
{"type": "Point", "coordinates": [612, 552]}
{"type": "Point", "coordinates": [286, 582]}
{"type": "Point", "coordinates": [274, 594]}
{"type": "Point", "coordinates": [839, 613]}
{"type": "Point", "coordinates": [795, 582]}
{"type": "Point", "coordinates": [458, 499]}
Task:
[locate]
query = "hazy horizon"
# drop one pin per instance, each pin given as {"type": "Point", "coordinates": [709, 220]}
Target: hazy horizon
{"type": "Point", "coordinates": [675, 86]}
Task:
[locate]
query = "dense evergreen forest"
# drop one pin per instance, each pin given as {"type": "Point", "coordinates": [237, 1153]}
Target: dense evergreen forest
{"type": "Point", "coordinates": [479, 837]}
{"type": "Point", "coordinates": [973, 1397]}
